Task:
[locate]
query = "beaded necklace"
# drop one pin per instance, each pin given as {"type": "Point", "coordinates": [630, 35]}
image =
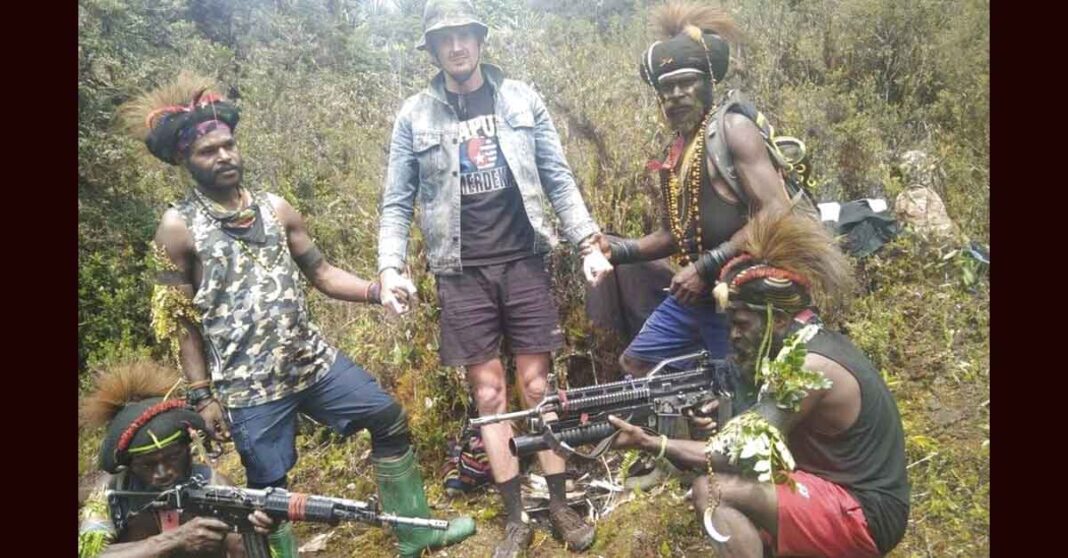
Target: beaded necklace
{"type": "Point", "coordinates": [680, 223]}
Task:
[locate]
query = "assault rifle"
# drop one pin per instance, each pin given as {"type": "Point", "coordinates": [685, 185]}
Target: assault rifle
{"type": "Point", "coordinates": [233, 504]}
{"type": "Point", "coordinates": [655, 402]}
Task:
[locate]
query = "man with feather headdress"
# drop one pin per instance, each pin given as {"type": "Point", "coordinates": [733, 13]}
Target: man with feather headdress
{"type": "Point", "coordinates": [147, 447]}
{"type": "Point", "coordinates": [708, 200]}
{"type": "Point", "coordinates": [232, 293]}
{"type": "Point", "coordinates": [823, 408]}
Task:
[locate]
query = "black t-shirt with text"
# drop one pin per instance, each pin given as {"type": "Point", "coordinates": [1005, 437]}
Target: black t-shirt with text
{"type": "Point", "coordinates": [494, 227]}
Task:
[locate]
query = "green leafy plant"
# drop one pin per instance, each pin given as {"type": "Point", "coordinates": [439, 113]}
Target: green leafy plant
{"type": "Point", "coordinates": [755, 447]}
{"type": "Point", "coordinates": [785, 379]}
{"type": "Point", "coordinates": [750, 442]}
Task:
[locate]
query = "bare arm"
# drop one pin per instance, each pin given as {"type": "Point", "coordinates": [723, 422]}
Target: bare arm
{"type": "Point", "coordinates": [764, 190]}
{"type": "Point", "coordinates": [657, 244]}
{"type": "Point", "coordinates": [329, 280]}
{"type": "Point", "coordinates": [690, 454]}
{"type": "Point", "coordinates": [200, 534]}
{"type": "Point", "coordinates": [785, 420]}
{"type": "Point", "coordinates": [653, 246]}
{"type": "Point", "coordinates": [177, 243]}
{"type": "Point", "coordinates": [762, 183]}
{"type": "Point", "coordinates": [159, 545]}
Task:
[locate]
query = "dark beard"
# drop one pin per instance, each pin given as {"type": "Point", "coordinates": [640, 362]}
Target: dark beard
{"type": "Point", "coordinates": [747, 367]}
{"type": "Point", "coordinates": [463, 79]}
{"type": "Point", "coordinates": [207, 178]}
{"type": "Point", "coordinates": [694, 118]}
{"type": "Point", "coordinates": [460, 80]}
{"type": "Point", "coordinates": [688, 125]}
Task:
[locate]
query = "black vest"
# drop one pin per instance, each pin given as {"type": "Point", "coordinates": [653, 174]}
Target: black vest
{"type": "Point", "coordinates": [868, 458]}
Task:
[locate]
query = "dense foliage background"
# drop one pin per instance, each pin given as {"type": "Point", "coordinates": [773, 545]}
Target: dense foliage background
{"type": "Point", "coordinates": [318, 81]}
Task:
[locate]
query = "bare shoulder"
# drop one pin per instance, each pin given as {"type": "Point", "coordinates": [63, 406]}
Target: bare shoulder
{"type": "Point", "coordinates": [173, 232]}
{"type": "Point", "coordinates": [282, 208]}
{"type": "Point", "coordinates": [276, 200]}
{"type": "Point", "coordinates": [742, 132]}
{"type": "Point", "coordinates": [843, 384]}
{"type": "Point", "coordinates": [173, 221]}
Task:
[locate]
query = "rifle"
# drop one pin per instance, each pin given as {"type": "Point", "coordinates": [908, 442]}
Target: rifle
{"type": "Point", "coordinates": [654, 402]}
{"type": "Point", "coordinates": [233, 504]}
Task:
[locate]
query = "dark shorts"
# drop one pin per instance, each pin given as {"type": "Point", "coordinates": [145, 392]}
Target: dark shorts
{"type": "Point", "coordinates": [820, 519]}
{"type": "Point", "coordinates": [484, 303]}
{"type": "Point", "coordinates": [265, 435]}
{"type": "Point", "coordinates": [675, 329]}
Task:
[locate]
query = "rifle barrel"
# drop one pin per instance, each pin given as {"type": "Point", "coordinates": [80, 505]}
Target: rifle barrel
{"type": "Point", "coordinates": [131, 493]}
{"type": "Point", "coordinates": [439, 524]}
{"type": "Point", "coordinates": [491, 419]}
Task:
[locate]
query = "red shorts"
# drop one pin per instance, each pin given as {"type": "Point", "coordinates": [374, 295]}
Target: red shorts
{"type": "Point", "coordinates": [820, 519]}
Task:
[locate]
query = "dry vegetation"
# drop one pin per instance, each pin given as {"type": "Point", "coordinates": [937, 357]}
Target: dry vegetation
{"type": "Point", "coordinates": [862, 81]}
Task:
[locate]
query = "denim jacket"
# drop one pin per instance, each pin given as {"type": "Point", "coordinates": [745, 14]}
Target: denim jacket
{"type": "Point", "coordinates": [424, 164]}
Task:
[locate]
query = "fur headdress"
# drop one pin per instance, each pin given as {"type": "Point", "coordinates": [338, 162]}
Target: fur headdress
{"type": "Point", "coordinates": [171, 117]}
{"type": "Point", "coordinates": [789, 262]}
{"type": "Point", "coordinates": [693, 39]}
{"type": "Point", "coordinates": [130, 400]}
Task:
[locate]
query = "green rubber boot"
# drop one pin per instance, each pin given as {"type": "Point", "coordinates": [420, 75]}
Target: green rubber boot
{"type": "Point", "coordinates": [283, 542]}
{"type": "Point", "coordinates": [400, 488]}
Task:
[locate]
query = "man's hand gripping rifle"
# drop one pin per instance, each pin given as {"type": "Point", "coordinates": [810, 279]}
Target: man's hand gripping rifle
{"type": "Point", "coordinates": [233, 505]}
{"type": "Point", "coordinates": [655, 402]}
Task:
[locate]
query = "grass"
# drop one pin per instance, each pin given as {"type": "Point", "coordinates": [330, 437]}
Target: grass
{"type": "Point", "coordinates": [925, 327]}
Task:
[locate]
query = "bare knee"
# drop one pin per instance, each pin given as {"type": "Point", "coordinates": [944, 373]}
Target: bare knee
{"type": "Point", "coordinates": [721, 494]}
{"type": "Point", "coordinates": [699, 494]}
{"type": "Point", "coordinates": [490, 397]}
{"type": "Point", "coordinates": [532, 371]}
{"type": "Point", "coordinates": [533, 388]}
{"type": "Point", "coordinates": [725, 490]}
{"type": "Point", "coordinates": [756, 500]}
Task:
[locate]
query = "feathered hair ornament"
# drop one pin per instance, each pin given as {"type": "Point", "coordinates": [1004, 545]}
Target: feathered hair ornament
{"type": "Point", "coordinates": [171, 117]}
{"type": "Point", "coordinates": [693, 39]}
{"type": "Point", "coordinates": [791, 262]}
{"type": "Point", "coordinates": [693, 19]}
{"type": "Point", "coordinates": [124, 384]}
{"type": "Point", "coordinates": [131, 401]}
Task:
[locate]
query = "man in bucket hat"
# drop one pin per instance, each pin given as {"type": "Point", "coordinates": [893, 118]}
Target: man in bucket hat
{"type": "Point", "coordinates": [481, 155]}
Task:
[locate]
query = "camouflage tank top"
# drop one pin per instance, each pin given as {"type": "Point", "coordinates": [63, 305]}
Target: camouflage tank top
{"type": "Point", "coordinates": [258, 340]}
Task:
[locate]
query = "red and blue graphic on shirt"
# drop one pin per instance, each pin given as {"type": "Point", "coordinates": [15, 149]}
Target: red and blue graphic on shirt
{"type": "Point", "coordinates": [482, 166]}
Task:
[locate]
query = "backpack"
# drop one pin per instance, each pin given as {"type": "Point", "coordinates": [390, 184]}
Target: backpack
{"type": "Point", "coordinates": [788, 154]}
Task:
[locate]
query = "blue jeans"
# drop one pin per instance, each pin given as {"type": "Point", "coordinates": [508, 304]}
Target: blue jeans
{"type": "Point", "coordinates": [675, 329]}
{"type": "Point", "coordinates": [265, 435]}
